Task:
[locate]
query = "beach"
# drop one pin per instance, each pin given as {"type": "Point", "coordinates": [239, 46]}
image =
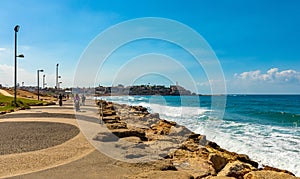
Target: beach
{"type": "Point", "coordinates": [74, 154]}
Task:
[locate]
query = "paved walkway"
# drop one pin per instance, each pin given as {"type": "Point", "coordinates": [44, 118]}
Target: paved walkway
{"type": "Point", "coordinates": [76, 158]}
{"type": "Point", "coordinates": [5, 93]}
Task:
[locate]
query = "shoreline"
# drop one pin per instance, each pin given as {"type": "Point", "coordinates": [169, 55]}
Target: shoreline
{"type": "Point", "coordinates": [180, 154]}
{"type": "Point", "coordinates": [128, 122]}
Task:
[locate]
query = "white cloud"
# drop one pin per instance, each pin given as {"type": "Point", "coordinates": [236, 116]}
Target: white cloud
{"type": "Point", "coordinates": [274, 75]}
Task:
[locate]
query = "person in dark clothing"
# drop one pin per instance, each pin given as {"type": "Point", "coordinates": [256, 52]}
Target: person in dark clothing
{"type": "Point", "coordinates": [60, 97]}
{"type": "Point", "coordinates": [83, 100]}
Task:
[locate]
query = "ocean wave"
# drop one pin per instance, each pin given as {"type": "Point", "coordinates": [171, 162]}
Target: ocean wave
{"type": "Point", "coordinates": [171, 111]}
{"type": "Point", "coordinates": [270, 145]}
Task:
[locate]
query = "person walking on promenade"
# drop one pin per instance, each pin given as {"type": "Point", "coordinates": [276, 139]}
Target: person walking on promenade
{"type": "Point", "coordinates": [76, 102]}
{"type": "Point", "coordinates": [83, 99]}
{"type": "Point", "coordinates": [60, 97]}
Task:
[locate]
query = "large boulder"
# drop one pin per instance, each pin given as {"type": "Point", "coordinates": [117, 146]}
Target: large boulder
{"type": "Point", "coordinates": [236, 169]}
{"type": "Point", "coordinates": [268, 174]}
{"type": "Point", "coordinates": [197, 167]}
{"type": "Point", "coordinates": [266, 167]}
{"type": "Point", "coordinates": [218, 161]}
{"type": "Point", "coordinates": [121, 133]}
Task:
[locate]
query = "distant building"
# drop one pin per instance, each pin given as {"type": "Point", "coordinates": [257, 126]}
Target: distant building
{"type": "Point", "coordinates": [143, 90]}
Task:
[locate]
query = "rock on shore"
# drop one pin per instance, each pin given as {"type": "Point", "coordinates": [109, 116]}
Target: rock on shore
{"type": "Point", "coordinates": [182, 153]}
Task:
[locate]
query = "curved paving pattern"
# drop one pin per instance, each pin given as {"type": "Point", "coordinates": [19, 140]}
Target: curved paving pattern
{"type": "Point", "coordinates": [18, 137]}
{"type": "Point", "coordinates": [41, 138]}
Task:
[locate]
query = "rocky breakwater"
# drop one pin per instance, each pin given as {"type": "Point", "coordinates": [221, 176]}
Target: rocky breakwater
{"type": "Point", "coordinates": [142, 137]}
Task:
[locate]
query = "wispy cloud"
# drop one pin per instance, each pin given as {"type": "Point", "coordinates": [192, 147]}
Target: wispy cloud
{"type": "Point", "coordinates": [273, 75]}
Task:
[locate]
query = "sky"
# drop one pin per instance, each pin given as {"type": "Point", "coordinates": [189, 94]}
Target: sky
{"type": "Point", "coordinates": [253, 44]}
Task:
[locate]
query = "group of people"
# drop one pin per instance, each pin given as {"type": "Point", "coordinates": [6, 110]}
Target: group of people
{"type": "Point", "coordinates": [76, 101]}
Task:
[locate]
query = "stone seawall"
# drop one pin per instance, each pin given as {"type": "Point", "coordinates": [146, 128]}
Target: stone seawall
{"type": "Point", "coordinates": [145, 137]}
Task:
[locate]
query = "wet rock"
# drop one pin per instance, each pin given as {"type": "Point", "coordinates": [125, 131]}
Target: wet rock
{"type": "Point", "coordinates": [218, 161]}
{"type": "Point", "coordinates": [213, 145]}
{"type": "Point", "coordinates": [202, 140]}
{"type": "Point", "coordinates": [266, 167]}
{"type": "Point", "coordinates": [153, 115]}
{"type": "Point", "coordinates": [139, 108]}
{"type": "Point", "coordinates": [245, 158]}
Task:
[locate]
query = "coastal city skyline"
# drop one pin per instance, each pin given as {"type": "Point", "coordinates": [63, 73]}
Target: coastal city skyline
{"type": "Point", "coordinates": [255, 42]}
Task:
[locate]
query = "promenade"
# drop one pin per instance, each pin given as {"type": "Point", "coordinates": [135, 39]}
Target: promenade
{"type": "Point", "coordinates": [73, 158]}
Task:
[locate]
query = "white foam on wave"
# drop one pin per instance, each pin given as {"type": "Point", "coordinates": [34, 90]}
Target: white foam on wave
{"type": "Point", "coordinates": [176, 114]}
{"type": "Point", "coordinates": [171, 111]}
{"type": "Point", "coordinates": [262, 143]}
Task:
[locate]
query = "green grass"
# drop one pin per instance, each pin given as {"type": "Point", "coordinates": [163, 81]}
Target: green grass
{"type": "Point", "coordinates": [7, 103]}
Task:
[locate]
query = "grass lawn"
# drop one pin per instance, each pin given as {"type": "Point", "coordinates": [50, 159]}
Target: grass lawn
{"type": "Point", "coordinates": [7, 103]}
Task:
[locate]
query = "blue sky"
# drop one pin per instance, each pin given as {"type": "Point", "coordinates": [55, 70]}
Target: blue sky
{"type": "Point", "coordinates": [256, 42]}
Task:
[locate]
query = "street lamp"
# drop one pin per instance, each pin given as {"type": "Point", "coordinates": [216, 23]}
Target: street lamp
{"type": "Point", "coordinates": [44, 76]}
{"type": "Point", "coordinates": [38, 82]}
{"type": "Point", "coordinates": [16, 29]}
{"type": "Point", "coordinates": [56, 86]}
{"type": "Point", "coordinates": [58, 83]}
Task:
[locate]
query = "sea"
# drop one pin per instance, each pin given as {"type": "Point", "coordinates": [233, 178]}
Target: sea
{"type": "Point", "coordinates": [264, 127]}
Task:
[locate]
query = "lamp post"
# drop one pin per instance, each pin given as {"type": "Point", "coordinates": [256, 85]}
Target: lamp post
{"type": "Point", "coordinates": [58, 83]}
{"type": "Point", "coordinates": [38, 82]}
{"type": "Point", "coordinates": [56, 86]}
{"type": "Point", "coordinates": [16, 29]}
{"type": "Point", "coordinates": [44, 81]}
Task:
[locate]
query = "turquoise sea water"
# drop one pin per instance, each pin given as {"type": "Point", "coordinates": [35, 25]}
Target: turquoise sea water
{"type": "Point", "coordinates": [265, 127]}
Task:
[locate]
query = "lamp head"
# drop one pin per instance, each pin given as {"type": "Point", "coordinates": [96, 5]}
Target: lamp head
{"type": "Point", "coordinates": [21, 56]}
{"type": "Point", "coordinates": [17, 27]}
